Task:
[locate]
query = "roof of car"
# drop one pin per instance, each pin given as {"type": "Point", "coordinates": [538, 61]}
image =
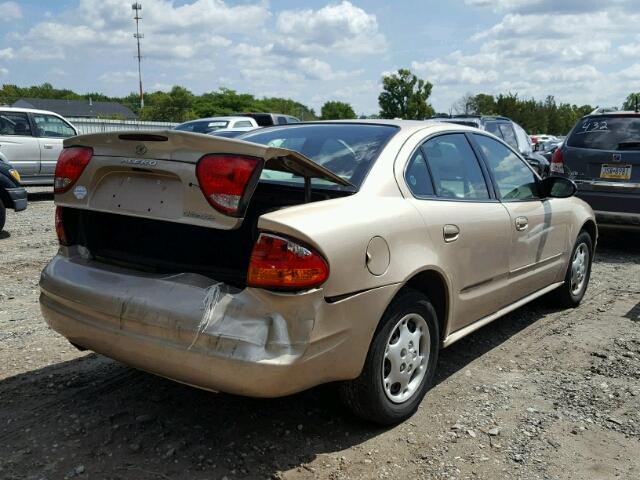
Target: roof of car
{"type": "Point", "coordinates": [227, 118]}
{"type": "Point", "coordinates": [28, 110]}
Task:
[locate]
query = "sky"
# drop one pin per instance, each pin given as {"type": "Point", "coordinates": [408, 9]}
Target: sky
{"type": "Point", "coordinates": [580, 51]}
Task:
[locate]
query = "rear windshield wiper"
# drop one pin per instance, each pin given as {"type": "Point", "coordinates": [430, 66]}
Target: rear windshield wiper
{"type": "Point", "coordinates": [629, 146]}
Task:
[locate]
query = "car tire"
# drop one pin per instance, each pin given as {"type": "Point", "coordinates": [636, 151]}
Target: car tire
{"type": "Point", "coordinates": [390, 386]}
{"type": "Point", "coordinates": [576, 279]}
{"type": "Point", "coordinates": [3, 215]}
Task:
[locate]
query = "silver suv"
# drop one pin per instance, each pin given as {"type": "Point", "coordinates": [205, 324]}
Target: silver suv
{"type": "Point", "coordinates": [31, 140]}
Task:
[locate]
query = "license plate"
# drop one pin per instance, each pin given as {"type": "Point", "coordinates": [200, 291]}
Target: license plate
{"type": "Point", "coordinates": [616, 172]}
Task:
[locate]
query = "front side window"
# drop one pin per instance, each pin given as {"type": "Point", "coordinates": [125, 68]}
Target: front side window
{"type": "Point", "coordinates": [514, 179]}
{"type": "Point", "coordinates": [509, 135]}
{"type": "Point", "coordinates": [53, 127]}
{"type": "Point", "coordinates": [454, 168]}
{"type": "Point", "coordinates": [493, 128]}
{"type": "Point", "coordinates": [14, 123]}
{"type": "Point", "coordinates": [282, 121]}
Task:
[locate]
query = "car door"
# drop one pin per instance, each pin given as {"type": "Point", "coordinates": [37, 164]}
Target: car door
{"type": "Point", "coordinates": [18, 146]}
{"type": "Point", "coordinates": [538, 227]}
{"type": "Point", "coordinates": [466, 225]}
{"type": "Point", "coordinates": [51, 130]}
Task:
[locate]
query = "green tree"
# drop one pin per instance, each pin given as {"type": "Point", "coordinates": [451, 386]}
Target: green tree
{"type": "Point", "coordinates": [405, 96]}
{"type": "Point", "coordinates": [632, 102]}
{"type": "Point", "coordinates": [175, 106]}
{"type": "Point", "coordinates": [334, 110]}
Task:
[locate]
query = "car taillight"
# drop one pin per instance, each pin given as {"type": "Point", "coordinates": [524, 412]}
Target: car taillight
{"type": "Point", "coordinates": [227, 181]}
{"type": "Point", "coordinates": [278, 263]}
{"type": "Point", "coordinates": [71, 163]}
{"type": "Point", "coordinates": [62, 235]}
{"type": "Point", "coordinates": [557, 162]}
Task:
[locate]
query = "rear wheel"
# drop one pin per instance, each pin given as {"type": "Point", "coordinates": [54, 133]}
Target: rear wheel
{"type": "Point", "coordinates": [3, 215]}
{"type": "Point", "coordinates": [400, 365]}
{"type": "Point", "coordinates": [576, 279]}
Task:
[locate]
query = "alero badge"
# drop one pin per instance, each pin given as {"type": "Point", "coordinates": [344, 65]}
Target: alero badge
{"type": "Point", "coordinates": [141, 149]}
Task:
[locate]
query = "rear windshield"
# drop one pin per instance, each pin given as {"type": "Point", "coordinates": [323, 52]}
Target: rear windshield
{"type": "Point", "coordinates": [205, 126]}
{"type": "Point", "coordinates": [348, 150]}
{"type": "Point", "coordinates": [607, 132]}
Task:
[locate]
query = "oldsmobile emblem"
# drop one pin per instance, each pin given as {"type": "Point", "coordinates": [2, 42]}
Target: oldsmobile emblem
{"type": "Point", "coordinates": [617, 157]}
{"type": "Point", "coordinates": [141, 149]}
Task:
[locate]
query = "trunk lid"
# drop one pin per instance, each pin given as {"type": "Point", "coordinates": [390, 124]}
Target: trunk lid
{"type": "Point", "coordinates": [152, 174]}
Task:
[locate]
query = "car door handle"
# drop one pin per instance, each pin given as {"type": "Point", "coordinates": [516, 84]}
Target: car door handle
{"type": "Point", "coordinates": [48, 147]}
{"type": "Point", "coordinates": [522, 223]}
{"type": "Point", "coordinates": [450, 233]}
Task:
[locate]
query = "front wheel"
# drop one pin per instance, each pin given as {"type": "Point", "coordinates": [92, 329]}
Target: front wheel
{"type": "Point", "coordinates": [576, 279]}
{"type": "Point", "coordinates": [400, 365]}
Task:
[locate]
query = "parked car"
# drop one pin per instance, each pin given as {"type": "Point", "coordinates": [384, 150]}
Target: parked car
{"type": "Point", "coordinates": [231, 132]}
{"type": "Point", "coordinates": [12, 195]}
{"type": "Point", "coordinates": [507, 130]}
{"type": "Point", "coordinates": [351, 252]}
{"type": "Point", "coordinates": [269, 119]}
{"type": "Point", "coordinates": [208, 125]}
{"type": "Point", "coordinates": [602, 155]}
{"type": "Point", "coordinates": [31, 141]}
{"type": "Point", "coordinates": [542, 137]}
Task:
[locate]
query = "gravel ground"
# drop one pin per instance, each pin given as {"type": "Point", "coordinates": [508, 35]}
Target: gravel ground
{"type": "Point", "coordinates": [541, 393]}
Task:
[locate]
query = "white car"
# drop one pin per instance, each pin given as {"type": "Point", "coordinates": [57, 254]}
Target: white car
{"type": "Point", "coordinates": [31, 141]}
{"type": "Point", "coordinates": [208, 125]}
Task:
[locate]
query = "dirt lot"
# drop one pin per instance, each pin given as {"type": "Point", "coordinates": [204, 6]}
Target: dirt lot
{"type": "Point", "coordinates": [542, 393]}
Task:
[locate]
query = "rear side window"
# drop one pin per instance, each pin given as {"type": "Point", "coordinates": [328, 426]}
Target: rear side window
{"type": "Point", "coordinates": [348, 150]}
{"type": "Point", "coordinates": [514, 179]}
{"type": "Point", "coordinates": [205, 126]}
{"type": "Point", "coordinates": [493, 128]}
{"type": "Point", "coordinates": [282, 121]}
{"type": "Point", "coordinates": [14, 123]}
{"type": "Point", "coordinates": [607, 132]}
{"type": "Point", "coordinates": [417, 175]}
{"type": "Point", "coordinates": [454, 168]}
{"type": "Point", "coordinates": [243, 124]}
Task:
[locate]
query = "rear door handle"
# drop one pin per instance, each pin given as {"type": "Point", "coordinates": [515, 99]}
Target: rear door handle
{"type": "Point", "coordinates": [450, 233]}
{"type": "Point", "coordinates": [48, 147]}
{"type": "Point", "coordinates": [522, 223]}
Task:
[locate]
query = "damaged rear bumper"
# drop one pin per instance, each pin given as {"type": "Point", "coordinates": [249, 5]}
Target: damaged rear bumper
{"type": "Point", "coordinates": [191, 329]}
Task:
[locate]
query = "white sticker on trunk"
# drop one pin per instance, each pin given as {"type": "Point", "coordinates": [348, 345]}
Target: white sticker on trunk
{"type": "Point", "coordinates": [80, 192]}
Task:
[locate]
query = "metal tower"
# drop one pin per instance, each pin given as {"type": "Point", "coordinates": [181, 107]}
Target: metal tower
{"type": "Point", "coordinates": [136, 7]}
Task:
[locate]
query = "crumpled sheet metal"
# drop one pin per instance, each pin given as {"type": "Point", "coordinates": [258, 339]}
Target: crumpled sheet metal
{"type": "Point", "coordinates": [190, 311]}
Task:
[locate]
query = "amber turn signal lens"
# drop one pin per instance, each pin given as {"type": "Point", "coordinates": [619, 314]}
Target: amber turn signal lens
{"type": "Point", "coordinates": [278, 263]}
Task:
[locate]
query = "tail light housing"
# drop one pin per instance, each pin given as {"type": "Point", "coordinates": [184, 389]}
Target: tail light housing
{"type": "Point", "coordinates": [60, 232]}
{"type": "Point", "coordinates": [279, 263]}
{"type": "Point", "coordinates": [71, 163]}
{"type": "Point", "coordinates": [557, 162]}
{"type": "Point", "coordinates": [227, 181]}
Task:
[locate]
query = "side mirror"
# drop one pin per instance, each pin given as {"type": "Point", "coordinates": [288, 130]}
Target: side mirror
{"type": "Point", "coordinates": [558, 187]}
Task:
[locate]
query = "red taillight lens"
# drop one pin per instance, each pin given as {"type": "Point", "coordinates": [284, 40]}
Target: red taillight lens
{"type": "Point", "coordinates": [227, 181]}
{"type": "Point", "coordinates": [71, 163]}
{"type": "Point", "coordinates": [62, 235]}
{"type": "Point", "coordinates": [557, 162]}
{"type": "Point", "coordinates": [281, 264]}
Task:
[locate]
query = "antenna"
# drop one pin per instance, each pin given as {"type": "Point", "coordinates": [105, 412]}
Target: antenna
{"type": "Point", "coordinates": [136, 7]}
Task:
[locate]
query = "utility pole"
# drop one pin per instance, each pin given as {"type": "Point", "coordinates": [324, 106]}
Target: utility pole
{"type": "Point", "coordinates": [136, 7]}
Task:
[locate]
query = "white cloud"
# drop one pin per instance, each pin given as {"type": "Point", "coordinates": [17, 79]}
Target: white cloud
{"type": "Point", "coordinates": [118, 77]}
{"type": "Point", "coordinates": [10, 11]}
{"type": "Point", "coordinates": [628, 50]}
{"type": "Point", "coordinates": [6, 53]}
{"type": "Point", "coordinates": [548, 6]}
{"type": "Point", "coordinates": [341, 28]}
{"type": "Point", "coordinates": [4, 71]}
{"type": "Point", "coordinates": [630, 73]}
